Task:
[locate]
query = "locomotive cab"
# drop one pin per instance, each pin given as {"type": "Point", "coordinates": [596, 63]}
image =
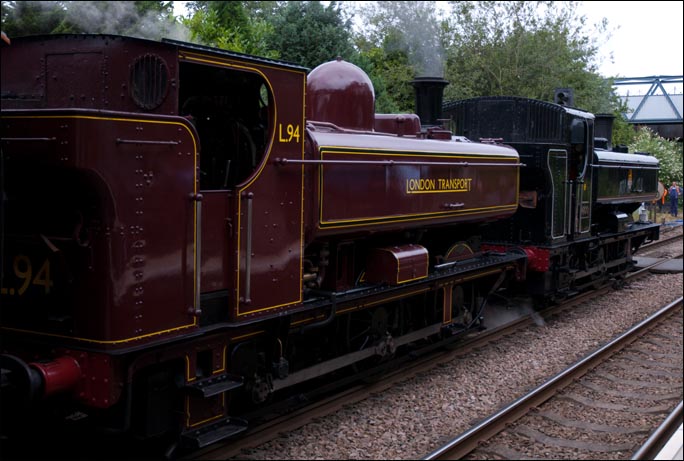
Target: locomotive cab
{"type": "Point", "coordinates": [133, 184]}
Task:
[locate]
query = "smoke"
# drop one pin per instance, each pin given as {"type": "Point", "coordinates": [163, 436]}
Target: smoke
{"type": "Point", "coordinates": [120, 18]}
{"type": "Point", "coordinates": [425, 50]}
{"type": "Point", "coordinates": [419, 25]}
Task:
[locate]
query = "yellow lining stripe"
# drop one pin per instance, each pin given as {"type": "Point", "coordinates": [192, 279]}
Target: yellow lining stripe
{"type": "Point", "coordinates": [134, 120]}
{"type": "Point", "coordinates": [387, 152]}
{"type": "Point", "coordinates": [413, 217]}
{"type": "Point", "coordinates": [344, 223]}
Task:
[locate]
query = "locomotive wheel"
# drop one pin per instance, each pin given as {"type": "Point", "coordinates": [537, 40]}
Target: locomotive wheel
{"type": "Point", "coordinates": [599, 276]}
{"type": "Point", "coordinates": [364, 329]}
{"type": "Point", "coordinates": [463, 305]}
{"type": "Point", "coordinates": [459, 251]}
{"type": "Point", "coordinates": [358, 336]}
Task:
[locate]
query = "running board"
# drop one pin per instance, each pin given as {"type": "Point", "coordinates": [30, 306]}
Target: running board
{"type": "Point", "coordinates": [215, 432]}
{"type": "Point", "coordinates": [214, 385]}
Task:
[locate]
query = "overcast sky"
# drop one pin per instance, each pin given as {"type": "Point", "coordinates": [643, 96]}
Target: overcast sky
{"type": "Point", "coordinates": [648, 40]}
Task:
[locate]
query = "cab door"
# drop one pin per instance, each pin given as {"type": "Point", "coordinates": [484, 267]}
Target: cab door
{"type": "Point", "coordinates": [558, 175]}
{"type": "Point", "coordinates": [248, 115]}
{"type": "Point", "coordinates": [581, 153]}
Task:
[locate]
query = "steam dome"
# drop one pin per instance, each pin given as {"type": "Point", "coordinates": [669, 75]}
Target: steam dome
{"type": "Point", "coordinates": [341, 93]}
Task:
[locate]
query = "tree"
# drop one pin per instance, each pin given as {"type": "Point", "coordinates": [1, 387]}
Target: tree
{"type": "Point", "coordinates": [31, 18]}
{"type": "Point", "coordinates": [235, 26]}
{"type": "Point", "coordinates": [387, 77]}
{"type": "Point", "coordinates": [517, 48]}
{"type": "Point", "coordinates": [524, 49]}
{"type": "Point", "coordinates": [669, 153]}
{"type": "Point", "coordinates": [146, 19]}
{"type": "Point", "coordinates": [309, 34]}
{"type": "Point", "coordinates": [623, 131]}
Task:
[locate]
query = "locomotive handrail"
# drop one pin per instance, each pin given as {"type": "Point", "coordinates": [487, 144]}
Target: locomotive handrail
{"type": "Point", "coordinates": [140, 141]}
{"type": "Point", "coordinates": [28, 139]}
{"type": "Point", "coordinates": [248, 256]}
{"type": "Point", "coordinates": [628, 167]}
{"type": "Point", "coordinates": [197, 198]}
{"type": "Point", "coordinates": [286, 161]}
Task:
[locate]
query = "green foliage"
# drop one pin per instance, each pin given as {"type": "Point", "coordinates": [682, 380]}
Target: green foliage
{"type": "Point", "coordinates": [669, 153]}
{"type": "Point", "coordinates": [227, 25]}
{"type": "Point", "coordinates": [378, 68]}
{"type": "Point", "coordinates": [309, 34]}
{"type": "Point", "coordinates": [32, 18]}
{"type": "Point", "coordinates": [147, 19]}
{"type": "Point", "coordinates": [487, 48]}
{"type": "Point", "coordinates": [524, 49]}
{"type": "Point", "coordinates": [222, 17]}
{"type": "Point", "coordinates": [305, 33]}
{"type": "Point", "coordinates": [623, 131]}
{"type": "Point", "coordinates": [391, 74]}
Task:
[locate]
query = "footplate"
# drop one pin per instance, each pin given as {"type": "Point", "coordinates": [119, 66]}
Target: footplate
{"type": "Point", "coordinates": [214, 432]}
{"type": "Point", "coordinates": [214, 385]}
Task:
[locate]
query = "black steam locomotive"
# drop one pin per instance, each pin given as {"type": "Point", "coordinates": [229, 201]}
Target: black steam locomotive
{"type": "Point", "coordinates": [187, 230]}
{"type": "Point", "coordinates": [576, 197]}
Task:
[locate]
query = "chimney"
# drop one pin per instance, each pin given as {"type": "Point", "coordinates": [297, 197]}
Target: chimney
{"type": "Point", "coordinates": [603, 130]}
{"type": "Point", "coordinates": [603, 125]}
{"type": "Point", "coordinates": [429, 94]}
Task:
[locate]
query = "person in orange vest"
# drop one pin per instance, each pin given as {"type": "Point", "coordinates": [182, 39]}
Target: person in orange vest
{"type": "Point", "coordinates": [662, 199]}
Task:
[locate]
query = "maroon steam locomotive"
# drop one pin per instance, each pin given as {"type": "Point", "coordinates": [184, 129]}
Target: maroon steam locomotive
{"type": "Point", "coordinates": [186, 228]}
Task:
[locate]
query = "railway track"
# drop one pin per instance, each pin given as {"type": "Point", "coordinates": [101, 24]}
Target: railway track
{"type": "Point", "coordinates": [371, 384]}
{"type": "Point", "coordinates": [621, 391]}
{"type": "Point", "coordinates": [412, 366]}
{"type": "Point", "coordinates": [663, 241]}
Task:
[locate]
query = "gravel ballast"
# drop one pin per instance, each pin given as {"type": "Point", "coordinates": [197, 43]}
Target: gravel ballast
{"type": "Point", "coordinates": [411, 419]}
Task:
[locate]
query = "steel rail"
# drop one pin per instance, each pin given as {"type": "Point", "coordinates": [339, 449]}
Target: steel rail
{"type": "Point", "coordinates": [660, 436]}
{"type": "Point", "coordinates": [469, 440]}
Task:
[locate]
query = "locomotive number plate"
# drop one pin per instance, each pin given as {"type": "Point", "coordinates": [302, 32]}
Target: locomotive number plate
{"type": "Point", "coordinates": [26, 276]}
